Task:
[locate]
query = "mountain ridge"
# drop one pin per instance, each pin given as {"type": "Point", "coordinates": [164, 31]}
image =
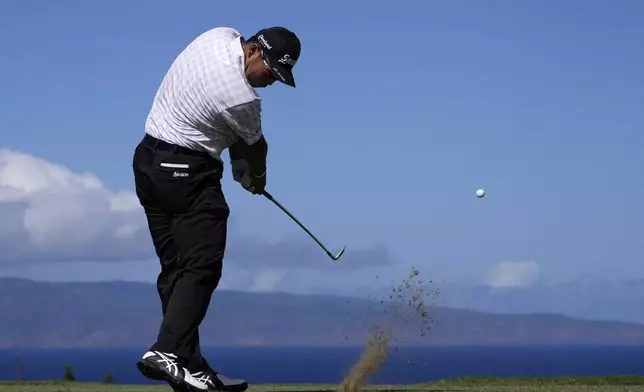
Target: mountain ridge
{"type": "Point", "coordinates": [125, 314]}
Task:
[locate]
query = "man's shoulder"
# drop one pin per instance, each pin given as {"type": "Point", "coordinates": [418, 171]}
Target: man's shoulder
{"type": "Point", "coordinates": [219, 53]}
{"type": "Point", "coordinates": [237, 90]}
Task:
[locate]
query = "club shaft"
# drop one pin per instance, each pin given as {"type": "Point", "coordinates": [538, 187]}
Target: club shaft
{"type": "Point", "coordinates": [270, 197]}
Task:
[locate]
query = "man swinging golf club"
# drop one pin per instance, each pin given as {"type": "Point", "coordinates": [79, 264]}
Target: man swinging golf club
{"type": "Point", "coordinates": [206, 103]}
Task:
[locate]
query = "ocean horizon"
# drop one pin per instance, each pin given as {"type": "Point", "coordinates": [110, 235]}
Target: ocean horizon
{"type": "Point", "coordinates": [329, 365]}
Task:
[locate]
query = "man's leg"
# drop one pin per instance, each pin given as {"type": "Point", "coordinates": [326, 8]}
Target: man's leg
{"type": "Point", "coordinates": [160, 225]}
{"type": "Point", "coordinates": [200, 237]}
{"type": "Point", "coordinates": [196, 242]}
{"type": "Point", "coordinates": [162, 199]}
{"type": "Point", "coordinates": [189, 188]}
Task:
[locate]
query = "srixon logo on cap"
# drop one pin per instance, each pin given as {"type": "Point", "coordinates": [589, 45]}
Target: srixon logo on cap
{"type": "Point", "coordinates": [286, 59]}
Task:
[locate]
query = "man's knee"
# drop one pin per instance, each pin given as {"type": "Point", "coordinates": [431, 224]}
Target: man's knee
{"type": "Point", "coordinates": [207, 272]}
{"type": "Point", "coordinates": [200, 237]}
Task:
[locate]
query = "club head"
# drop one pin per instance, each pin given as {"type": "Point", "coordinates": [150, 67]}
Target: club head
{"type": "Point", "coordinates": [340, 253]}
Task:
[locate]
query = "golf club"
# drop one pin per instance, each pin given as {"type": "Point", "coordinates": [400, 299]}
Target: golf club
{"type": "Point", "coordinates": [270, 197]}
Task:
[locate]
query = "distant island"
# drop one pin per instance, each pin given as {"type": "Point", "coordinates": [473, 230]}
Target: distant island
{"type": "Point", "coordinates": [123, 314]}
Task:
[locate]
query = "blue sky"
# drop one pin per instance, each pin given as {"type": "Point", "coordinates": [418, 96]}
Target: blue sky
{"type": "Point", "coordinates": [400, 113]}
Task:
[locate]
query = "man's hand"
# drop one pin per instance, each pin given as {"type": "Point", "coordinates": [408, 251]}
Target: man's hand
{"type": "Point", "coordinates": [258, 183]}
{"type": "Point", "coordinates": [241, 173]}
{"type": "Point", "coordinates": [252, 182]}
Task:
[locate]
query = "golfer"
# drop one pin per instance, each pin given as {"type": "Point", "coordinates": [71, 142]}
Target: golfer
{"type": "Point", "coordinates": [206, 103]}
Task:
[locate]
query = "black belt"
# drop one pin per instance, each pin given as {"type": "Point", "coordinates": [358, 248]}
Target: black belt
{"type": "Point", "coordinates": [157, 144]}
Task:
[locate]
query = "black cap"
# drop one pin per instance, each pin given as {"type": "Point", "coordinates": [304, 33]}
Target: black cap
{"type": "Point", "coordinates": [282, 48]}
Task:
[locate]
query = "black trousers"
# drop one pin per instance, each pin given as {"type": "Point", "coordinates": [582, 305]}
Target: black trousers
{"type": "Point", "coordinates": [187, 213]}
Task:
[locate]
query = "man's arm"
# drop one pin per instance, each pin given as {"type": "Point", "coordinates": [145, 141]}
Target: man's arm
{"type": "Point", "coordinates": [256, 157]}
{"type": "Point", "coordinates": [236, 151]}
{"type": "Point", "coordinates": [245, 120]}
{"type": "Point", "coordinates": [255, 154]}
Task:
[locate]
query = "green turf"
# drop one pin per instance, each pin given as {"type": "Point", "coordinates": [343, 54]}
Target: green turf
{"type": "Point", "coordinates": [480, 384]}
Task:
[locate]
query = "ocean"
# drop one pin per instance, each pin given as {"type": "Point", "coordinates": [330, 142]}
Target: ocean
{"type": "Point", "coordinates": [329, 365]}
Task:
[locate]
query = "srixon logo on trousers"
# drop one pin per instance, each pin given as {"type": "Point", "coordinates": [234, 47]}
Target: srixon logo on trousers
{"type": "Point", "coordinates": [176, 166]}
{"type": "Point", "coordinates": [286, 59]}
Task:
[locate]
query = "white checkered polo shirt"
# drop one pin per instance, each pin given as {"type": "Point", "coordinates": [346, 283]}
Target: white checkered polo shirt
{"type": "Point", "coordinates": [205, 101]}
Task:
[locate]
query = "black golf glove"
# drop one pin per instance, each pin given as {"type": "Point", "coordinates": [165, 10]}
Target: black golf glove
{"type": "Point", "coordinates": [257, 183]}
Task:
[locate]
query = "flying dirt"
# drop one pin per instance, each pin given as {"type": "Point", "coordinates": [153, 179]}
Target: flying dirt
{"type": "Point", "coordinates": [372, 358]}
{"type": "Point", "coordinates": [407, 305]}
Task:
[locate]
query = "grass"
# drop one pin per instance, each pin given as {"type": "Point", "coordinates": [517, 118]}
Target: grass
{"type": "Point", "coordinates": [481, 384]}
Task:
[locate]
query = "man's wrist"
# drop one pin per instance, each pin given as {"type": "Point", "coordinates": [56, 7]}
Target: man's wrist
{"type": "Point", "coordinates": [256, 158]}
{"type": "Point", "coordinates": [258, 174]}
{"type": "Point", "coordinates": [235, 152]}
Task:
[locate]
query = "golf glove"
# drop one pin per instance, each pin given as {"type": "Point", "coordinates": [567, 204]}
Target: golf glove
{"type": "Point", "coordinates": [241, 173]}
{"type": "Point", "coordinates": [258, 183]}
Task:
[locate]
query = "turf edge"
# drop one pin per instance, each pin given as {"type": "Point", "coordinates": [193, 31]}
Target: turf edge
{"type": "Point", "coordinates": [464, 381]}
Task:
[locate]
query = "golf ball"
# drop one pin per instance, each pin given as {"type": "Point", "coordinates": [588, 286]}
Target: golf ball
{"type": "Point", "coordinates": [480, 193]}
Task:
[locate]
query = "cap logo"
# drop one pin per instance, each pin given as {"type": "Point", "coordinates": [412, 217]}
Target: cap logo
{"type": "Point", "coordinates": [286, 59]}
{"type": "Point", "coordinates": [264, 42]}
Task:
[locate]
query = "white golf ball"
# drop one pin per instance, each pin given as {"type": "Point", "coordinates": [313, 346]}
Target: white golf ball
{"type": "Point", "coordinates": [480, 193]}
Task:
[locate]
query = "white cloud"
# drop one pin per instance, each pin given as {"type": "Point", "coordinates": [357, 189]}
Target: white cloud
{"type": "Point", "coordinates": [507, 274]}
{"type": "Point", "coordinates": [267, 280]}
{"type": "Point", "coordinates": [52, 213]}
